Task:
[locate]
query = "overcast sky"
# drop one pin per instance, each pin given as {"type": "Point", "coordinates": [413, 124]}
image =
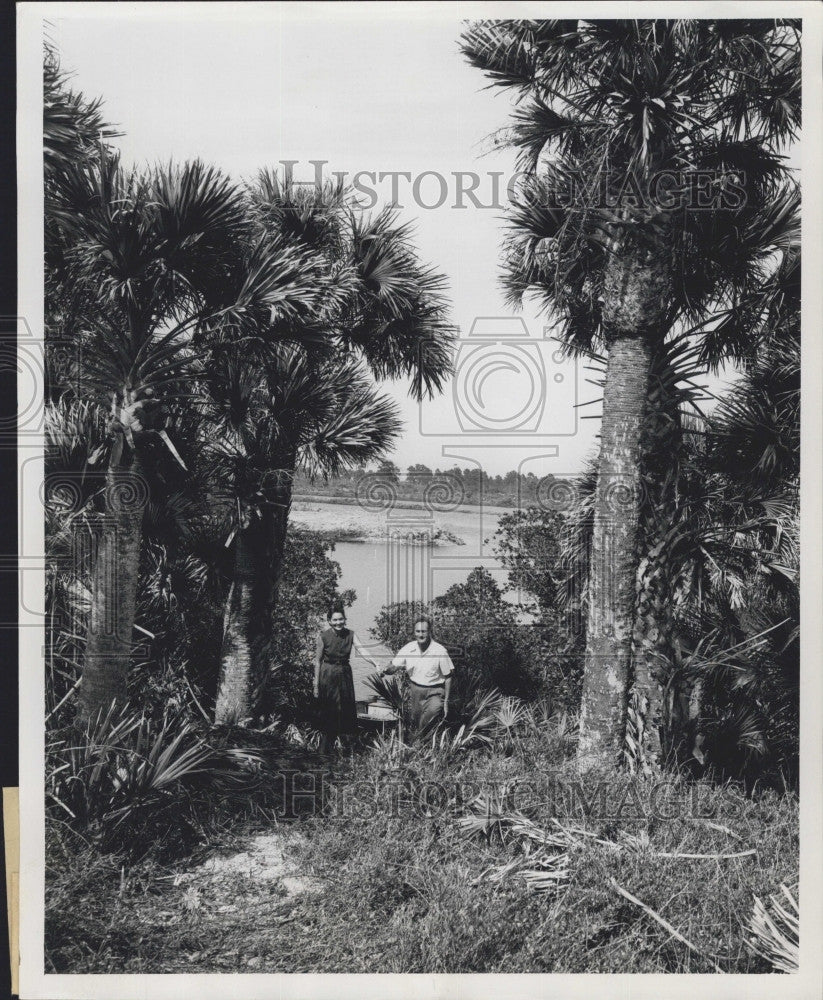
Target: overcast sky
{"type": "Point", "coordinates": [387, 93]}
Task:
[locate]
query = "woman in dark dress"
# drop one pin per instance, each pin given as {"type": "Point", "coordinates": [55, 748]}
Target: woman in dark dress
{"type": "Point", "coordinates": [333, 682]}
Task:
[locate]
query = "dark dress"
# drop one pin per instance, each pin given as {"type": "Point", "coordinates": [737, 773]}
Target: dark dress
{"type": "Point", "coordinates": [337, 711]}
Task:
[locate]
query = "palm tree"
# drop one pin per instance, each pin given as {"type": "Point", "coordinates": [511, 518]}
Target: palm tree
{"type": "Point", "coordinates": [319, 419]}
{"type": "Point", "coordinates": [616, 124]}
{"type": "Point", "coordinates": [149, 258]}
{"type": "Point", "coordinates": [714, 645]}
{"type": "Point", "coordinates": [380, 314]}
{"type": "Point", "coordinates": [74, 129]}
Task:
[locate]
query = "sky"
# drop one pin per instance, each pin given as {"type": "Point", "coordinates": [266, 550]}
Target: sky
{"type": "Point", "coordinates": [360, 93]}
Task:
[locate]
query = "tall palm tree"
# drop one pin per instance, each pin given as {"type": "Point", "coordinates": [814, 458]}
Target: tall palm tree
{"type": "Point", "coordinates": [381, 315]}
{"type": "Point", "coordinates": [717, 580]}
{"type": "Point", "coordinates": [658, 197]}
{"type": "Point", "coordinates": [149, 257]}
{"type": "Point", "coordinates": [320, 419]}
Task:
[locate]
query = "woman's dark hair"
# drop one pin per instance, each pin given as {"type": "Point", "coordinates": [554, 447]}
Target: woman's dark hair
{"type": "Point", "coordinates": [335, 609]}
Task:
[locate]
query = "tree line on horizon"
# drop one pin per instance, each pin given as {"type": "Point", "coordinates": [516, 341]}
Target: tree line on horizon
{"type": "Point", "coordinates": [444, 489]}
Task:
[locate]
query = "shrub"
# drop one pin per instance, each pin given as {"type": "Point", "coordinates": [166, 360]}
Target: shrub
{"type": "Point", "coordinates": [481, 631]}
{"type": "Point", "coordinates": [126, 783]}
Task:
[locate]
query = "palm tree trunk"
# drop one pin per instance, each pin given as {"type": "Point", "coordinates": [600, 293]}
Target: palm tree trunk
{"type": "Point", "coordinates": [114, 589]}
{"type": "Point", "coordinates": [654, 627]}
{"type": "Point", "coordinates": [634, 311]}
{"type": "Point", "coordinates": [278, 526]}
{"type": "Point", "coordinates": [245, 661]}
{"type": "Point", "coordinates": [243, 629]}
{"type": "Point", "coordinates": [611, 609]}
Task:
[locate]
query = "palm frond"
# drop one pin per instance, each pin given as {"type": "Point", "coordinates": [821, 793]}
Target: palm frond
{"type": "Point", "coordinates": [73, 126]}
{"type": "Point", "coordinates": [362, 427]}
{"type": "Point", "coordinates": [503, 50]}
{"type": "Point", "coordinates": [775, 935]}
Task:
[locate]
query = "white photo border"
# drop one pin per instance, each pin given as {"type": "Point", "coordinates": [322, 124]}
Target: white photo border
{"type": "Point", "coordinates": [34, 981]}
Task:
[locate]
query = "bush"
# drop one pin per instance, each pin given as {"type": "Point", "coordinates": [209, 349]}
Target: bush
{"type": "Point", "coordinates": [126, 783]}
{"type": "Point", "coordinates": [490, 648]}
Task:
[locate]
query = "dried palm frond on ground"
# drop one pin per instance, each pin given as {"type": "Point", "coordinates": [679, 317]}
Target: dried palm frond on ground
{"type": "Point", "coordinates": [663, 923]}
{"type": "Point", "coordinates": [543, 861]}
{"type": "Point", "coordinates": [776, 936]}
{"type": "Point", "coordinates": [540, 869]}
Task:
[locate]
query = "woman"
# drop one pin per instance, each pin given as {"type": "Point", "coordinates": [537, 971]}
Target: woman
{"type": "Point", "coordinates": [333, 682]}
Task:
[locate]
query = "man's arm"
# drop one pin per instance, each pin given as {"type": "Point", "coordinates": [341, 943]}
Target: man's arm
{"type": "Point", "coordinates": [446, 696]}
{"type": "Point", "coordinates": [398, 663]}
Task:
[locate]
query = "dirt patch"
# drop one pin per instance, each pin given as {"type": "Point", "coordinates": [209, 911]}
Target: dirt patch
{"type": "Point", "coordinates": [263, 860]}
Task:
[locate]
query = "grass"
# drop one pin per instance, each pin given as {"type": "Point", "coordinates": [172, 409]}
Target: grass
{"type": "Point", "coordinates": [403, 891]}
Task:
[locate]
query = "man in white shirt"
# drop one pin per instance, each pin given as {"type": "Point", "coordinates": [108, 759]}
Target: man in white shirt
{"type": "Point", "coordinates": [429, 670]}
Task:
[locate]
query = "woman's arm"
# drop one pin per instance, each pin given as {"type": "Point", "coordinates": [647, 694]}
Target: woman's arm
{"type": "Point", "coordinates": [318, 659]}
{"type": "Point", "coordinates": [361, 651]}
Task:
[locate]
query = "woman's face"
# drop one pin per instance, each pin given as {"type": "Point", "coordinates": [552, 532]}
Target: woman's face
{"type": "Point", "coordinates": [337, 621]}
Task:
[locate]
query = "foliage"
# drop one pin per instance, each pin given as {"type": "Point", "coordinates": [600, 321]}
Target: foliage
{"type": "Point", "coordinates": [605, 107]}
{"type": "Point", "coordinates": [528, 545]}
{"type": "Point", "coordinates": [439, 901]}
{"type": "Point", "coordinates": [123, 780]}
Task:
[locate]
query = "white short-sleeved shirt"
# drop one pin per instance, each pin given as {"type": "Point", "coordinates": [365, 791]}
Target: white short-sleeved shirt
{"type": "Point", "coordinates": [427, 668]}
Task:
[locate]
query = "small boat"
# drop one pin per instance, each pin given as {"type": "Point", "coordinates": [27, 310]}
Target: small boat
{"type": "Point", "coordinates": [376, 713]}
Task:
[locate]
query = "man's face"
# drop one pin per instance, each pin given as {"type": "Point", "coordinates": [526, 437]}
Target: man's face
{"type": "Point", "coordinates": [337, 621]}
{"type": "Point", "coordinates": [421, 633]}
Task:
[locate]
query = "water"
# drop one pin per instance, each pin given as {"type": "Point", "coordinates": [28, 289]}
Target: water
{"type": "Point", "coordinates": [382, 571]}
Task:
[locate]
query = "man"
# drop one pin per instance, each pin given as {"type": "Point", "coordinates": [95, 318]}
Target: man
{"type": "Point", "coordinates": [429, 670]}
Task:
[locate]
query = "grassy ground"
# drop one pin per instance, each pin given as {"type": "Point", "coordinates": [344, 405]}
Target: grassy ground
{"type": "Point", "coordinates": [384, 882]}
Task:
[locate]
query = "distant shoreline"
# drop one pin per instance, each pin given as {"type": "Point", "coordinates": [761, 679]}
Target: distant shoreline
{"type": "Point", "coordinates": [342, 519]}
{"type": "Point", "coordinates": [351, 501]}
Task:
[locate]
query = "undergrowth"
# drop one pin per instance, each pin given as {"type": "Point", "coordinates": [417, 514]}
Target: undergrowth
{"type": "Point", "coordinates": [490, 854]}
